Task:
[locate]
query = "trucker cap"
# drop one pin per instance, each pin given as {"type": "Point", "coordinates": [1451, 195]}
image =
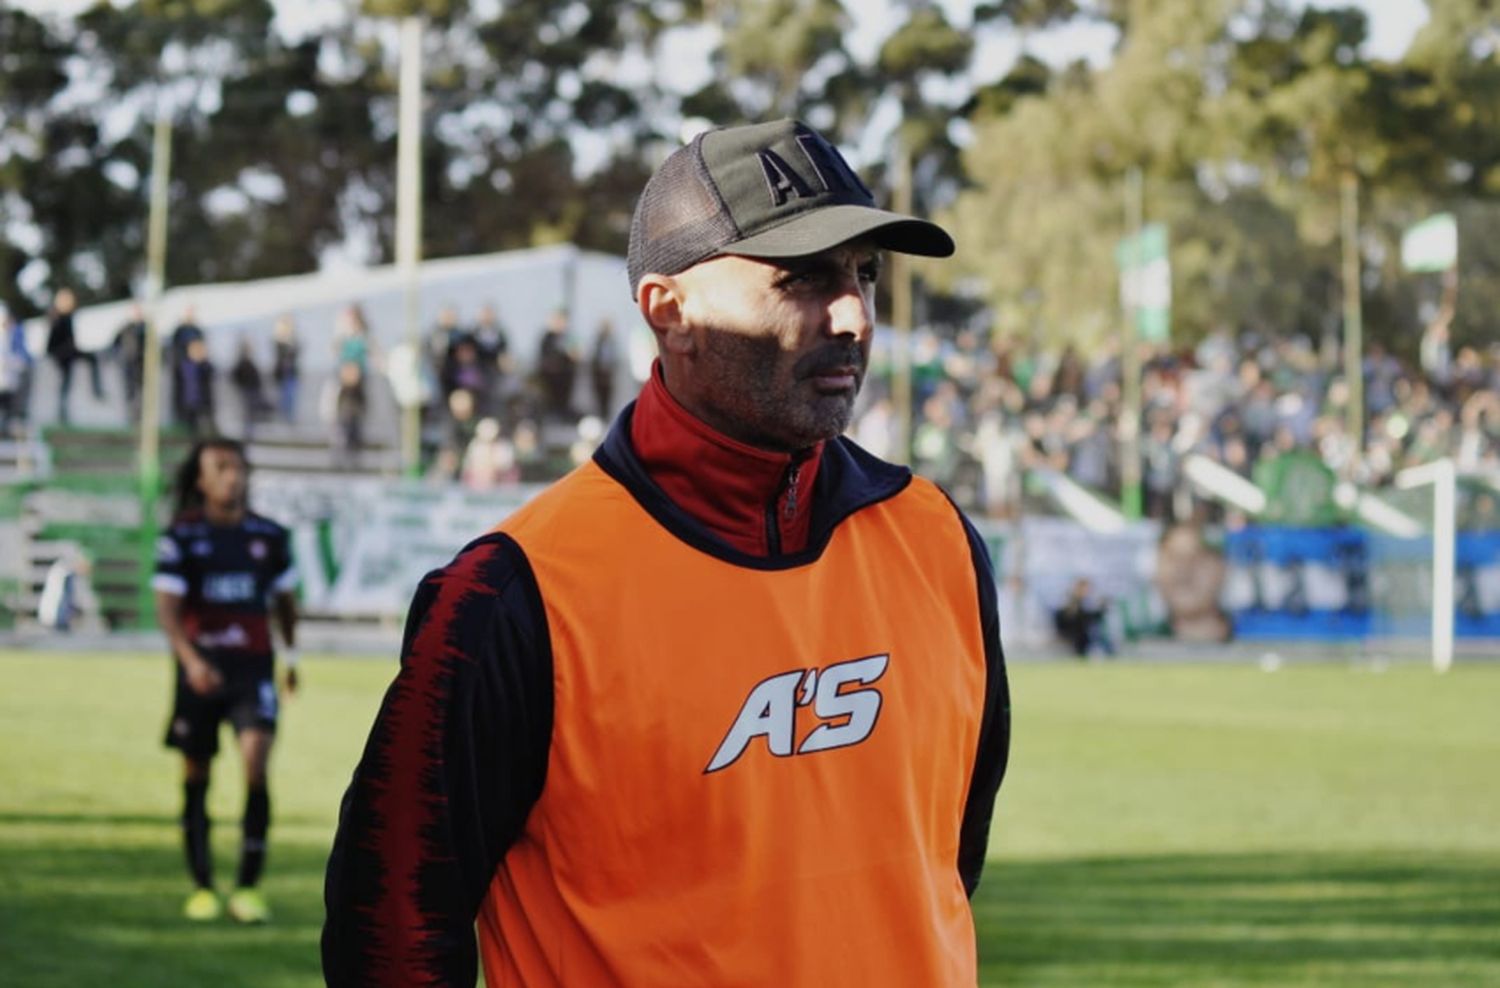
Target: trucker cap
{"type": "Point", "coordinates": [765, 190]}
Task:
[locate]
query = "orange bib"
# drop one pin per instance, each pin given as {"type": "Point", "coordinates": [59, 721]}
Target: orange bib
{"type": "Point", "coordinates": [756, 776]}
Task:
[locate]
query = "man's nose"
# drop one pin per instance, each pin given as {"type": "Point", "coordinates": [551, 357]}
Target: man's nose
{"type": "Point", "coordinates": [849, 315]}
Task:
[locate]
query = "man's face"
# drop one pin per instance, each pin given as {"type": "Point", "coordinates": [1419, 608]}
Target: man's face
{"type": "Point", "coordinates": [781, 347]}
{"type": "Point", "coordinates": [221, 477]}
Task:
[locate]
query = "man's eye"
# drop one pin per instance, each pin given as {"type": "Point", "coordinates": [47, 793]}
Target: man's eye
{"type": "Point", "coordinates": [870, 272]}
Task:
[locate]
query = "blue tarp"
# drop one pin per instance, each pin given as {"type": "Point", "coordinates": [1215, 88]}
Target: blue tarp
{"type": "Point", "coordinates": [1346, 583]}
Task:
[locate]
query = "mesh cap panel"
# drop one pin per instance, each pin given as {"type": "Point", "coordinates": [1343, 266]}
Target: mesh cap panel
{"type": "Point", "coordinates": [679, 220]}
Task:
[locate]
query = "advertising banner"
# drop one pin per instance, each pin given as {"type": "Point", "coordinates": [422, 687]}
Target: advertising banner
{"type": "Point", "coordinates": [362, 545]}
{"type": "Point", "coordinates": [1343, 583]}
{"type": "Point", "coordinates": [1038, 562]}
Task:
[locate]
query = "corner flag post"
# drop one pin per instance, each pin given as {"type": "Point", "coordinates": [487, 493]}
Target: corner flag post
{"type": "Point", "coordinates": [1130, 367]}
{"type": "Point", "coordinates": [148, 457]}
{"type": "Point", "coordinates": [409, 221]}
{"type": "Point", "coordinates": [1143, 257]}
{"type": "Point", "coordinates": [1354, 344]}
{"type": "Point", "coordinates": [1443, 476]}
{"type": "Point", "coordinates": [901, 311]}
{"type": "Point", "coordinates": [156, 266]}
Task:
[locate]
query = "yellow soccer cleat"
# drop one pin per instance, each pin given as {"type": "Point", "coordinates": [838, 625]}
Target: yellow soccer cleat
{"type": "Point", "coordinates": [202, 906]}
{"type": "Point", "coordinates": [248, 906]}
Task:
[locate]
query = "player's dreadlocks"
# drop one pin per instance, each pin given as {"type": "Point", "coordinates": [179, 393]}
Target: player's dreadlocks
{"type": "Point", "coordinates": [189, 497]}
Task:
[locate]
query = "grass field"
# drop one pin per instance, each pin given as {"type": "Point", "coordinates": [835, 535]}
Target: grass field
{"type": "Point", "coordinates": [1325, 825]}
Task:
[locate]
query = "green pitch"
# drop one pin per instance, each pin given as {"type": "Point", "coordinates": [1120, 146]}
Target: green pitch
{"type": "Point", "coordinates": [1162, 825]}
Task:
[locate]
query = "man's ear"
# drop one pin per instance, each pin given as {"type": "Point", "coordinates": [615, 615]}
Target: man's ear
{"type": "Point", "coordinates": [661, 299]}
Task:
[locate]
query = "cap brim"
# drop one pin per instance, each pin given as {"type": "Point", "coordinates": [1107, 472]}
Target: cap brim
{"type": "Point", "coordinates": [821, 229]}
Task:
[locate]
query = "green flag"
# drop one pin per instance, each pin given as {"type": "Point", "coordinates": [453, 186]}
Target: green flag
{"type": "Point", "coordinates": [1431, 245]}
{"type": "Point", "coordinates": [1146, 281]}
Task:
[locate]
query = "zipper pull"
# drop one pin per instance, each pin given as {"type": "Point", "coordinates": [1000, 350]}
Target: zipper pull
{"type": "Point", "coordinates": [791, 492]}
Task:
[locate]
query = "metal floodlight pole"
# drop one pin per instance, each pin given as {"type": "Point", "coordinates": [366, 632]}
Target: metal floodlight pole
{"type": "Point", "coordinates": [148, 458]}
{"type": "Point", "coordinates": [409, 224]}
{"type": "Point", "coordinates": [1354, 344]}
{"type": "Point", "coordinates": [156, 267]}
{"type": "Point", "coordinates": [1130, 355]}
{"type": "Point", "coordinates": [1443, 476]}
{"type": "Point", "coordinates": [901, 313]}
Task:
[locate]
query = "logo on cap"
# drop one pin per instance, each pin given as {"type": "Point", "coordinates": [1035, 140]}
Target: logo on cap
{"type": "Point", "coordinates": [830, 169]}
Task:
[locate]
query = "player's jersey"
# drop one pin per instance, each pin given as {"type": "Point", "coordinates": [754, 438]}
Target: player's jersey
{"type": "Point", "coordinates": [225, 575]}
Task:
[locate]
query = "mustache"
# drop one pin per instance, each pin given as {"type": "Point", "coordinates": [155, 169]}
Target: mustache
{"type": "Point", "coordinates": [834, 356]}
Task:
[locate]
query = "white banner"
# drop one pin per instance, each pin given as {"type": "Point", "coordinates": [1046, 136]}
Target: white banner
{"type": "Point", "coordinates": [363, 545]}
{"type": "Point", "coordinates": [1037, 566]}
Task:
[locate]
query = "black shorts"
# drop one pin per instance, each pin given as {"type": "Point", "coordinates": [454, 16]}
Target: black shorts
{"type": "Point", "coordinates": [247, 699]}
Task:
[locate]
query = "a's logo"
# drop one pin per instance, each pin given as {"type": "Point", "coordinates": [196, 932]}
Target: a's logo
{"type": "Point", "coordinates": [782, 179]}
{"type": "Point", "coordinates": [770, 711]}
{"type": "Point", "coordinates": [831, 171]}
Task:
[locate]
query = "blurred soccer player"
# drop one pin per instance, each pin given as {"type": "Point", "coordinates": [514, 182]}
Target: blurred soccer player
{"type": "Point", "coordinates": [219, 567]}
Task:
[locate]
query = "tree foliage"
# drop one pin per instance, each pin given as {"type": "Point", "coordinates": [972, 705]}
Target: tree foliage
{"type": "Point", "coordinates": [32, 73]}
{"type": "Point", "coordinates": [1243, 119]}
{"type": "Point", "coordinates": [542, 120]}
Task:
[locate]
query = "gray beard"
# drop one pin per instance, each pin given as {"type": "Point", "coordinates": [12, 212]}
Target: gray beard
{"type": "Point", "coordinates": [748, 402]}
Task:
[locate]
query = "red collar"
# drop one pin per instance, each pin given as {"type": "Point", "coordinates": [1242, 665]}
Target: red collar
{"type": "Point", "coordinates": [728, 487]}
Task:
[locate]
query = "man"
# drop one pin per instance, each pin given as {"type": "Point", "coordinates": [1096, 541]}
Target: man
{"type": "Point", "coordinates": [129, 349]}
{"type": "Point", "coordinates": [184, 336]}
{"type": "Point", "coordinates": [493, 345]}
{"type": "Point", "coordinates": [286, 368]}
{"type": "Point", "coordinates": [604, 366]}
{"type": "Point", "coordinates": [556, 366]}
{"type": "Point", "coordinates": [1080, 621]}
{"type": "Point", "coordinates": [442, 343]}
{"type": "Point", "coordinates": [492, 339]}
{"type": "Point", "coordinates": [195, 390]}
{"type": "Point", "coordinates": [246, 378]}
{"type": "Point", "coordinates": [15, 373]}
{"type": "Point", "coordinates": [218, 569]}
{"type": "Point", "coordinates": [62, 347]}
{"type": "Point", "coordinates": [725, 706]}
{"type": "Point", "coordinates": [350, 405]}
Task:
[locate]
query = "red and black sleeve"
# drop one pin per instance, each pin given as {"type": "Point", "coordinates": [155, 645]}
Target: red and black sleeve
{"type": "Point", "coordinates": [453, 765]}
{"type": "Point", "coordinates": [994, 730]}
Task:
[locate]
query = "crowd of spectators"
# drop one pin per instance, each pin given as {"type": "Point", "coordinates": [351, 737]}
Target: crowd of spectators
{"type": "Point", "coordinates": [494, 412]}
{"type": "Point", "coordinates": [483, 411]}
{"type": "Point", "coordinates": [487, 414]}
{"type": "Point", "coordinates": [987, 413]}
{"type": "Point", "coordinates": [16, 370]}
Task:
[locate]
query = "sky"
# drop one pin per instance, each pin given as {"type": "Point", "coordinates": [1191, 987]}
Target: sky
{"type": "Point", "coordinates": [681, 62]}
{"type": "Point", "coordinates": [1393, 24]}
